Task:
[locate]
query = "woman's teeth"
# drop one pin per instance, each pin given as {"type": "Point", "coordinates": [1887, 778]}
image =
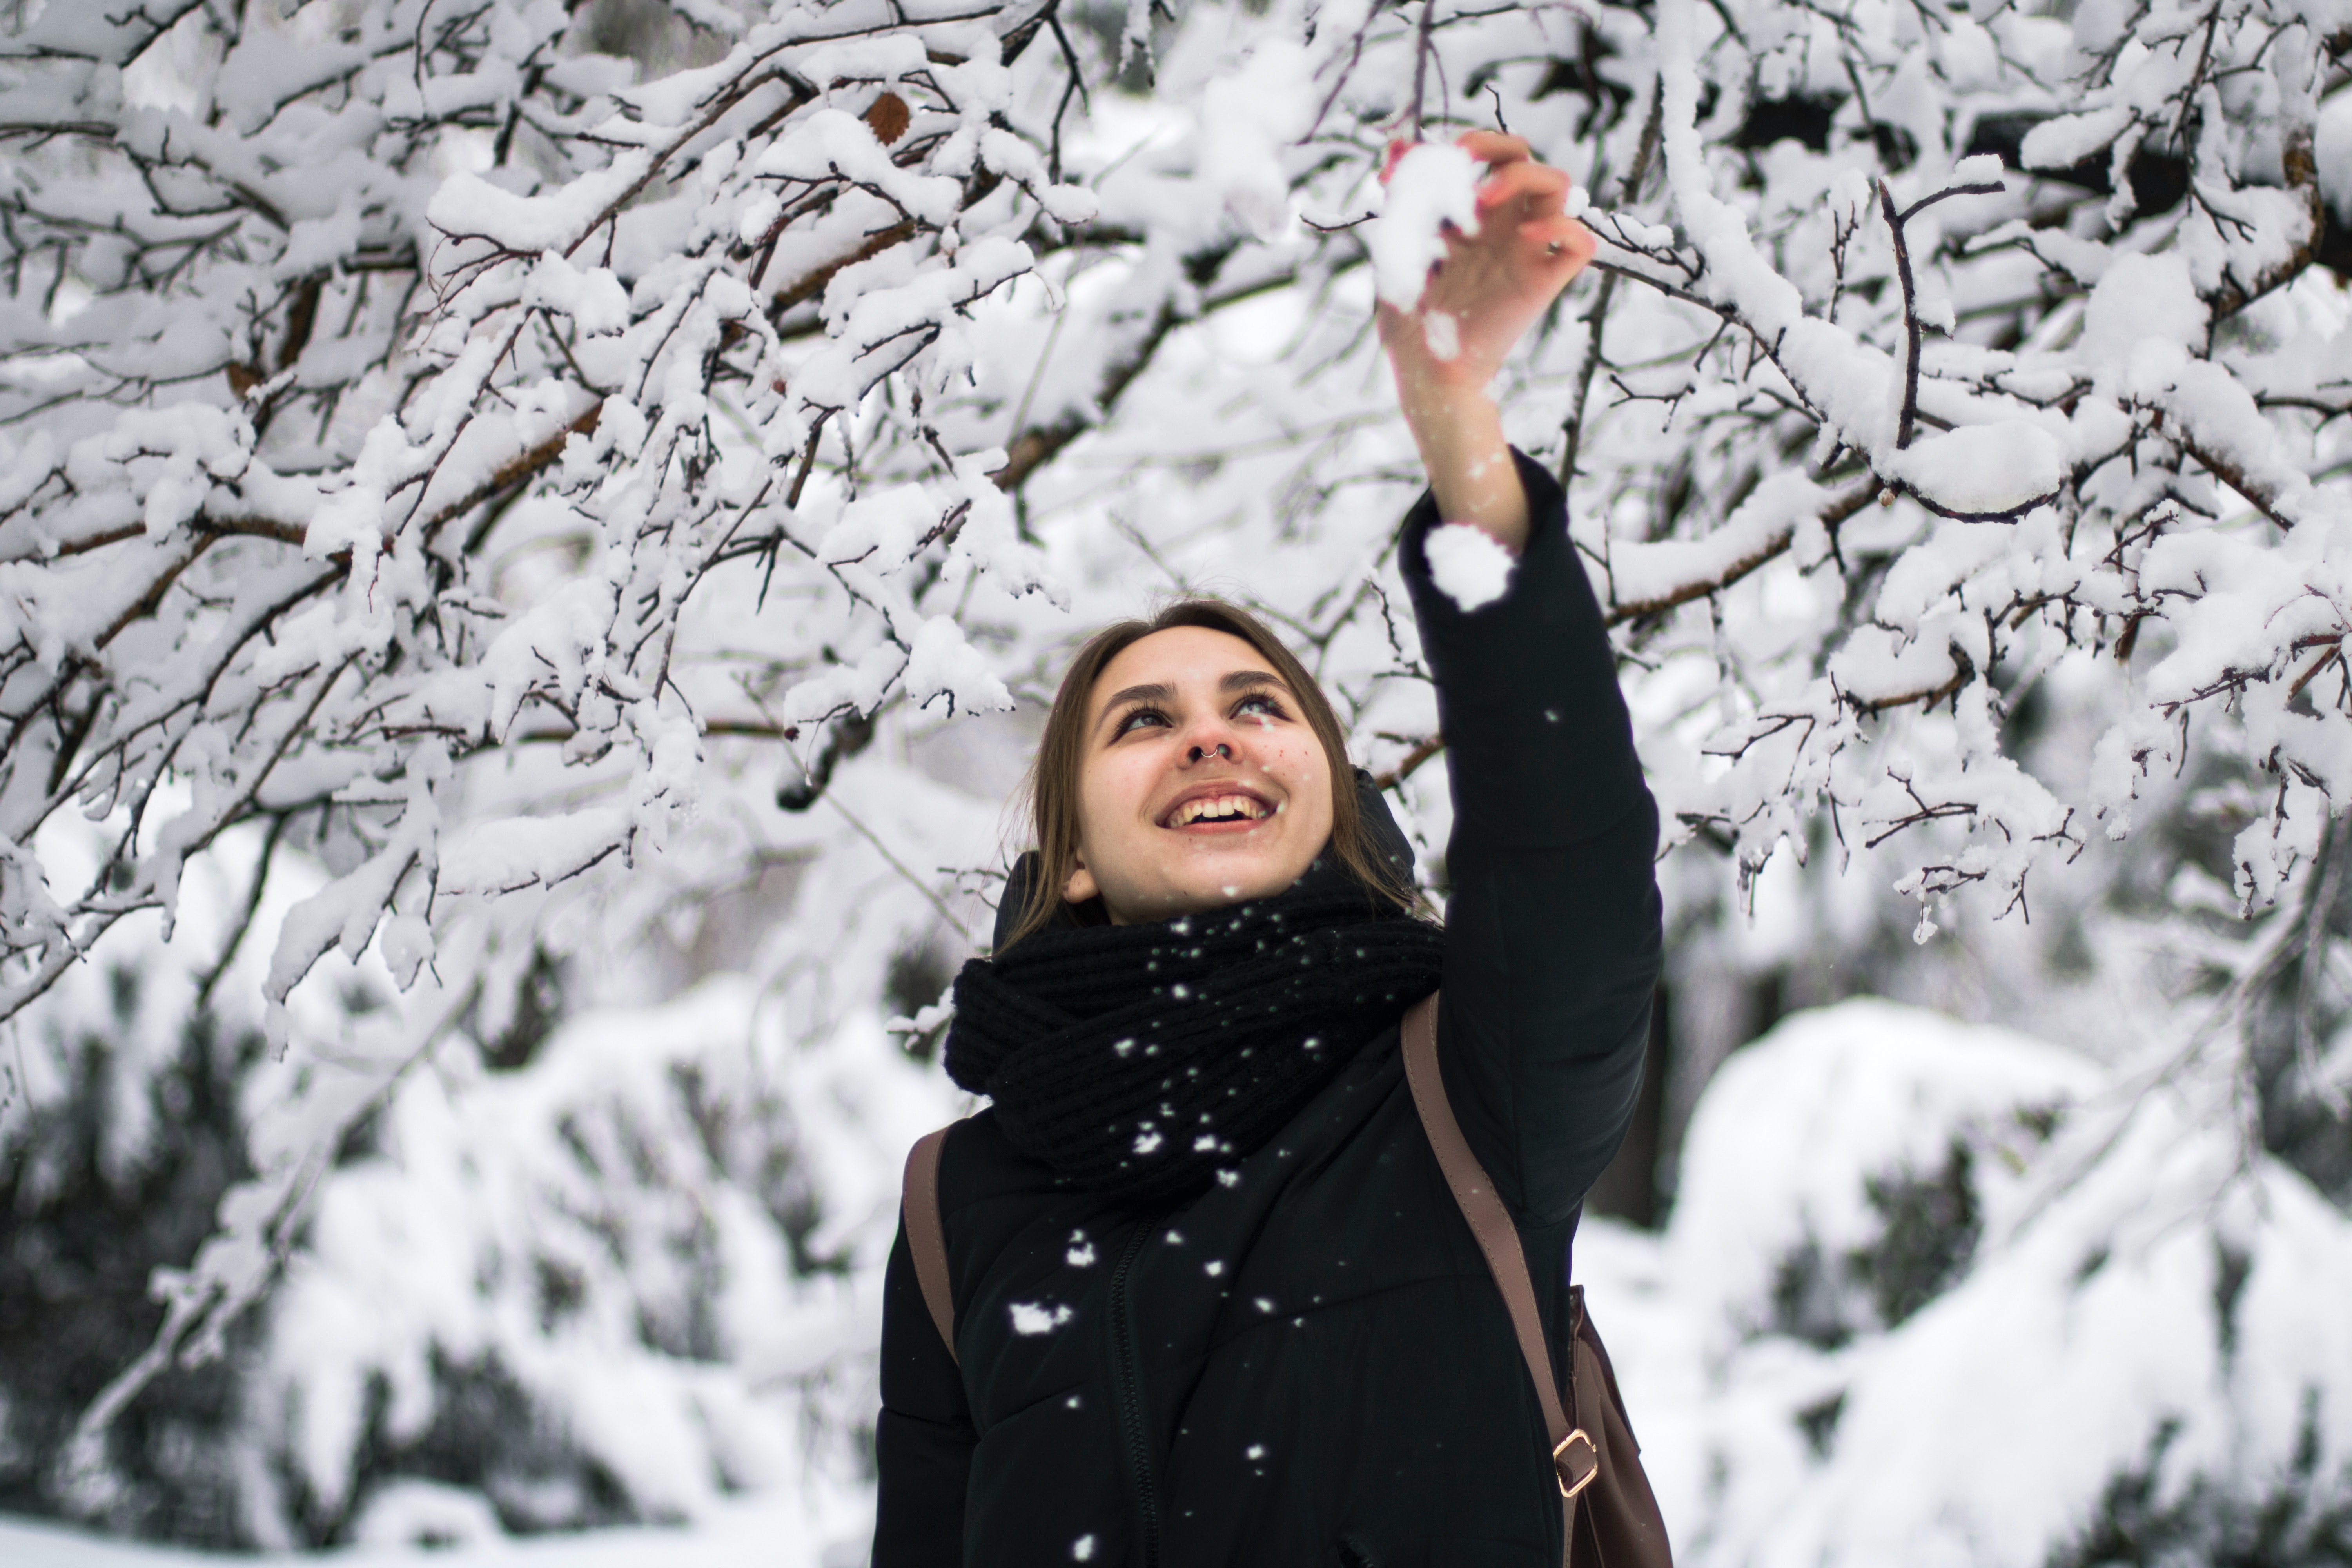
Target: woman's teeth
{"type": "Point", "coordinates": [1217, 808]}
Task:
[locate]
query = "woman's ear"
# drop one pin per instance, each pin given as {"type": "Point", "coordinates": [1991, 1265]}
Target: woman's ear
{"type": "Point", "coordinates": [1081, 885]}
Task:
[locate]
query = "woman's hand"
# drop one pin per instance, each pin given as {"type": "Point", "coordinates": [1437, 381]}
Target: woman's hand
{"type": "Point", "coordinates": [1491, 287]}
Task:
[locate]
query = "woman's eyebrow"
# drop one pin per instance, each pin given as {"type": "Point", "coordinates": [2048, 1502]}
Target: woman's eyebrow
{"type": "Point", "coordinates": [1151, 692]}
{"type": "Point", "coordinates": [1243, 679]}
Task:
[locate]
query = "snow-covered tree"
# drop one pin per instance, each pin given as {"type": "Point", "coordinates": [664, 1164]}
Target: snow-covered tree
{"type": "Point", "coordinates": [492, 489]}
{"type": "Point", "coordinates": [343, 455]}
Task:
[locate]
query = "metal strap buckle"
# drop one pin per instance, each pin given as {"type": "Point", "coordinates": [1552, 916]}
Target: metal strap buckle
{"type": "Point", "coordinates": [1560, 1463]}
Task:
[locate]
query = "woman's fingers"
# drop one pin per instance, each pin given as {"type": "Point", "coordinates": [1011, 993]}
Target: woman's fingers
{"type": "Point", "coordinates": [1492, 148]}
{"type": "Point", "coordinates": [1560, 239]}
{"type": "Point", "coordinates": [1543, 188]}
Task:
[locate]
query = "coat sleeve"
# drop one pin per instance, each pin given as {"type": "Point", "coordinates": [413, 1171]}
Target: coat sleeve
{"type": "Point", "coordinates": [923, 1438]}
{"type": "Point", "coordinates": [1553, 926]}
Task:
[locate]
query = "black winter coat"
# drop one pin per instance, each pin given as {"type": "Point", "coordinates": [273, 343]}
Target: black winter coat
{"type": "Point", "coordinates": [1312, 1365]}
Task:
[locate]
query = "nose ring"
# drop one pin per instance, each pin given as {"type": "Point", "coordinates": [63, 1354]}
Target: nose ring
{"type": "Point", "coordinates": [1222, 750]}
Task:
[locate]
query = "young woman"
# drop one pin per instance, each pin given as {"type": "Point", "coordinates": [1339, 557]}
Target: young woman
{"type": "Point", "coordinates": [1214, 1303]}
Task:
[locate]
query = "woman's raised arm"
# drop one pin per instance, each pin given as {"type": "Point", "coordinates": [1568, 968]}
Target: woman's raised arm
{"type": "Point", "coordinates": [1553, 928]}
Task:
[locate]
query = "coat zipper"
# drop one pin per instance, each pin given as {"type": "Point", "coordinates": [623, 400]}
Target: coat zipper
{"type": "Point", "coordinates": [1130, 1398]}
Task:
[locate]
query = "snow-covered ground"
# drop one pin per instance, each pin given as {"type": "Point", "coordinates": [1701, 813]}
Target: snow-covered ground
{"type": "Point", "coordinates": [783, 1529]}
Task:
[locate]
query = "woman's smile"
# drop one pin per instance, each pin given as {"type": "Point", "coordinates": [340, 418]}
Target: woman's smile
{"type": "Point", "coordinates": [1220, 808]}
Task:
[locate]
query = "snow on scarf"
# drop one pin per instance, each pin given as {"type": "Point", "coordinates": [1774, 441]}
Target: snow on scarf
{"type": "Point", "coordinates": [1139, 1059]}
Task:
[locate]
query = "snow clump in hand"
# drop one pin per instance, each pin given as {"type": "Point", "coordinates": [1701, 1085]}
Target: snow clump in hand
{"type": "Point", "coordinates": [1431, 186]}
{"type": "Point", "coordinates": [1467, 564]}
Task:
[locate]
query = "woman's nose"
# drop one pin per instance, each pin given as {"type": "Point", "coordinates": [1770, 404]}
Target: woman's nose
{"type": "Point", "coordinates": [1208, 734]}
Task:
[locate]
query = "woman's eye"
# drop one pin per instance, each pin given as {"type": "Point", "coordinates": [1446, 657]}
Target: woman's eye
{"type": "Point", "coordinates": [1139, 718]}
{"type": "Point", "coordinates": [1261, 704]}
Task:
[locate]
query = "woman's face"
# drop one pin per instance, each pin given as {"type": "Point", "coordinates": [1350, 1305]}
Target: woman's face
{"type": "Point", "coordinates": [1201, 784]}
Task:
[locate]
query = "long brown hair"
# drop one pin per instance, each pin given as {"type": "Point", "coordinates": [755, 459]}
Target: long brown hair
{"type": "Point", "coordinates": [1053, 782]}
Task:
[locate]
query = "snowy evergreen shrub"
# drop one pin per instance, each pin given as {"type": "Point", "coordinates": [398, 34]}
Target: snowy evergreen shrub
{"type": "Point", "coordinates": [93, 1203]}
{"type": "Point", "coordinates": [596, 1289]}
{"type": "Point", "coordinates": [2126, 1371]}
{"type": "Point", "coordinates": [2302, 1519]}
{"type": "Point", "coordinates": [1928, 1232]}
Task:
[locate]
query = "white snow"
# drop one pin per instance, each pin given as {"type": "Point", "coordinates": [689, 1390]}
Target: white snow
{"type": "Point", "coordinates": [788, 1528]}
{"type": "Point", "coordinates": [1029, 1318]}
{"type": "Point", "coordinates": [1776, 1146]}
{"type": "Point", "coordinates": [1763, 526]}
{"type": "Point", "coordinates": [1468, 564]}
{"type": "Point", "coordinates": [1443, 332]}
{"type": "Point", "coordinates": [1432, 184]}
{"type": "Point", "coordinates": [1983, 467]}
{"type": "Point", "coordinates": [428, 1513]}
{"type": "Point", "coordinates": [1252, 115]}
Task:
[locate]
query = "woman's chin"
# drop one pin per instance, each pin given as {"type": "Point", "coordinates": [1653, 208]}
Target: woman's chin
{"type": "Point", "coordinates": [1194, 896]}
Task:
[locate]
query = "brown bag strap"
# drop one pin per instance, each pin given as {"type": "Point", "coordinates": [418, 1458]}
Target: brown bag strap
{"type": "Point", "coordinates": [1575, 1452]}
{"type": "Point", "coordinates": [926, 1237]}
{"type": "Point", "coordinates": [1586, 1390]}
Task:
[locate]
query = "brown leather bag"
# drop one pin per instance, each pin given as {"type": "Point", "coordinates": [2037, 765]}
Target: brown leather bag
{"type": "Point", "coordinates": [1610, 1520]}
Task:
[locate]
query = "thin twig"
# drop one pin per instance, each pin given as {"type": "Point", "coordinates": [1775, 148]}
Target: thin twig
{"type": "Point", "coordinates": [1910, 415]}
{"type": "Point", "coordinates": [1572, 429]}
{"type": "Point", "coordinates": [900, 866]}
{"type": "Point", "coordinates": [1355, 54]}
{"type": "Point", "coordinates": [1420, 52]}
{"type": "Point", "coordinates": [261, 865]}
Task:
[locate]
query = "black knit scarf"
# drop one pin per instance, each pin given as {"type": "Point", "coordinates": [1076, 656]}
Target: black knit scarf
{"type": "Point", "coordinates": [1139, 1060]}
